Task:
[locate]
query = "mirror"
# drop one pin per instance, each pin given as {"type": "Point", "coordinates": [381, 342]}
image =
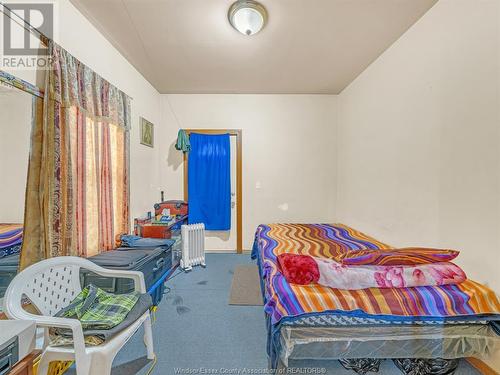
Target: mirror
{"type": "Point", "coordinates": [17, 102]}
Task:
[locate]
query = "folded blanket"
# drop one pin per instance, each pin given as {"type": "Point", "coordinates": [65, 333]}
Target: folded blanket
{"type": "Point", "coordinates": [398, 257]}
{"type": "Point", "coordinates": [305, 269]}
{"type": "Point", "coordinates": [93, 337]}
{"type": "Point", "coordinates": [97, 309]}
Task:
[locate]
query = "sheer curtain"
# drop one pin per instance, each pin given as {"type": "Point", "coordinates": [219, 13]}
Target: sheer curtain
{"type": "Point", "coordinates": [77, 195]}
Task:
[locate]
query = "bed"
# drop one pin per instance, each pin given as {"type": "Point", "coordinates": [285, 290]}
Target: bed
{"type": "Point", "coordinates": [420, 328]}
{"type": "Point", "coordinates": [11, 237]}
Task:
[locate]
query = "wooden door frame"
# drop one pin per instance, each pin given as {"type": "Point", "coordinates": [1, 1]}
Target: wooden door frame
{"type": "Point", "coordinates": [239, 177]}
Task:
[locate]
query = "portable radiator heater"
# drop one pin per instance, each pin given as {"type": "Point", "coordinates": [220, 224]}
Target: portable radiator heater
{"type": "Point", "coordinates": [193, 246]}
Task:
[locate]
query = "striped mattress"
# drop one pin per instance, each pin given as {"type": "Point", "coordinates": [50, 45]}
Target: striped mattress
{"type": "Point", "coordinates": [468, 300]}
{"type": "Point", "coordinates": [11, 237]}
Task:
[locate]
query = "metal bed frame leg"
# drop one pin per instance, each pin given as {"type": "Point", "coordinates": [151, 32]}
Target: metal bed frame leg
{"type": "Point", "coordinates": [361, 365]}
{"type": "Point", "coordinates": [427, 366]}
{"type": "Point", "coordinates": [280, 365]}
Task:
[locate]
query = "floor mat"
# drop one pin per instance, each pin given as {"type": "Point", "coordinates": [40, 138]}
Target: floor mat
{"type": "Point", "coordinates": [245, 288]}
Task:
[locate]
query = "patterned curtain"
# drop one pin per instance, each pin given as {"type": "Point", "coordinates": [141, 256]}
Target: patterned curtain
{"type": "Point", "coordinates": [77, 196]}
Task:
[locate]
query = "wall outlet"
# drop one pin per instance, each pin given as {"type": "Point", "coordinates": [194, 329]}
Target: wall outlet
{"type": "Point", "coordinates": [283, 207]}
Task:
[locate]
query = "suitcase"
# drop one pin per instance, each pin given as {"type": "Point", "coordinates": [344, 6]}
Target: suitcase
{"type": "Point", "coordinates": [139, 223]}
{"type": "Point", "coordinates": [178, 208]}
{"type": "Point", "coordinates": [8, 270]}
{"type": "Point", "coordinates": [153, 262]}
{"type": "Point", "coordinates": [157, 230]}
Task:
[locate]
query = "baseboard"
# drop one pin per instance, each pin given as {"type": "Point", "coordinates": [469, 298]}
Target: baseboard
{"type": "Point", "coordinates": [482, 367]}
{"type": "Point", "coordinates": [227, 251]}
{"type": "Point", "coordinates": [220, 251]}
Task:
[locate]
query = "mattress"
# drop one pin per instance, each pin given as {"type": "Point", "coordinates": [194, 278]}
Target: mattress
{"type": "Point", "coordinates": [298, 316]}
{"type": "Point", "coordinates": [334, 336]}
{"type": "Point", "coordinates": [8, 270]}
{"type": "Point", "coordinates": [11, 236]}
{"type": "Point", "coordinates": [448, 341]}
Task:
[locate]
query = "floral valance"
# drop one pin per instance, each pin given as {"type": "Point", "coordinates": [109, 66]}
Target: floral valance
{"type": "Point", "coordinates": [77, 194]}
{"type": "Point", "coordinates": [72, 83]}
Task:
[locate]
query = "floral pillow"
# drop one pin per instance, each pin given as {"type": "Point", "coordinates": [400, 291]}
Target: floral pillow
{"type": "Point", "coordinates": [340, 276]}
{"type": "Point", "coordinates": [398, 257]}
{"type": "Point", "coordinates": [305, 270]}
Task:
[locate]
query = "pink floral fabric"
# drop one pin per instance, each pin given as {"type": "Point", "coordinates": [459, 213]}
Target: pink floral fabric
{"type": "Point", "coordinates": [339, 276]}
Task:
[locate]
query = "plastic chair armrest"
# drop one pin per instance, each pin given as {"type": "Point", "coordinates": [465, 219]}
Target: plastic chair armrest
{"type": "Point", "coordinates": [138, 277]}
{"type": "Point", "coordinates": [56, 322]}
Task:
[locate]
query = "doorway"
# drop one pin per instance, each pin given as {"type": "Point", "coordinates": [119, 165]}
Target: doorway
{"type": "Point", "coordinates": [218, 238]}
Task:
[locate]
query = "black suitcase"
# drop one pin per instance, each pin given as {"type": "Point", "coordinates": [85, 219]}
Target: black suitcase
{"type": "Point", "coordinates": [153, 262]}
{"type": "Point", "coordinates": [8, 270]}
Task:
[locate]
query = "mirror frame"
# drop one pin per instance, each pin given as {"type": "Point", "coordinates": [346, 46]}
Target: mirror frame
{"type": "Point", "coordinates": [9, 79]}
{"type": "Point", "coordinates": [37, 93]}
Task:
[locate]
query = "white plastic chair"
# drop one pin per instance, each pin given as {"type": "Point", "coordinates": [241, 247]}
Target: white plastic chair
{"type": "Point", "coordinates": [51, 285]}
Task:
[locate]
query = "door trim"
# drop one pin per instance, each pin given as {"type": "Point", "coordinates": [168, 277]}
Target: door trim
{"type": "Point", "coordinates": [239, 177]}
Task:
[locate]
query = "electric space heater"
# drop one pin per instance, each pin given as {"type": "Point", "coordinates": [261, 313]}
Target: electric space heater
{"type": "Point", "coordinates": [193, 246]}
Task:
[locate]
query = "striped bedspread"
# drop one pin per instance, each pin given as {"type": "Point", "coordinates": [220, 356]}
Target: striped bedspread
{"type": "Point", "coordinates": [11, 238]}
{"type": "Point", "coordinates": [325, 240]}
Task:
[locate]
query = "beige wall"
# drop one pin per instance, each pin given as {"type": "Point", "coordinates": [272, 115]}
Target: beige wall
{"type": "Point", "coordinates": [81, 39]}
{"type": "Point", "coordinates": [418, 139]}
{"type": "Point", "coordinates": [15, 128]}
{"type": "Point", "coordinates": [288, 146]}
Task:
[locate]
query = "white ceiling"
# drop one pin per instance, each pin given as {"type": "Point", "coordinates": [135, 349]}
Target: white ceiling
{"type": "Point", "coordinates": [308, 46]}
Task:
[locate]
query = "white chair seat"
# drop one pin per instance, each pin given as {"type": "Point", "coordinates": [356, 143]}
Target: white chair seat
{"type": "Point", "coordinates": [51, 285]}
{"type": "Point", "coordinates": [119, 339]}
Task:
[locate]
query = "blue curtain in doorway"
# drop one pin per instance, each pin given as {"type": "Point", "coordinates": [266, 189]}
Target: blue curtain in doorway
{"type": "Point", "coordinates": [209, 181]}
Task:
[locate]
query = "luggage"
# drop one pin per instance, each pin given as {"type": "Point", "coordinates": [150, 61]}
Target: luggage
{"type": "Point", "coordinates": [148, 229]}
{"type": "Point", "coordinates": [155, 231]}
{"type": "Point", "coordinates": [177, 208]}
{"type": "Point", "coordinates": [8, 270]}
{"type": "Point", "coordinates": [153, 262]}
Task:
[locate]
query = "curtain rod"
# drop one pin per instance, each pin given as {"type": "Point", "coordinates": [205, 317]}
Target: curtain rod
{"type": "Point", "coordinates": [22, 22]}
{"type": "Point", "coordinates": [27, 26]}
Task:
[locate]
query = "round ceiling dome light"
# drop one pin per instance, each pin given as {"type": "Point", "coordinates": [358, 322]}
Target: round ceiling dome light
{"type": "Point", "coordinates": [247, 16]}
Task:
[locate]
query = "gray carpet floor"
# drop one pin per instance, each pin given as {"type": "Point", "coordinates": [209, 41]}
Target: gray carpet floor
{"type": "Point", "coordinates": [196, 329]}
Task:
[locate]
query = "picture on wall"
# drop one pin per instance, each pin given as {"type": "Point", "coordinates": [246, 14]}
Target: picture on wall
{"type": "Point", "coordinates": [147, 133]}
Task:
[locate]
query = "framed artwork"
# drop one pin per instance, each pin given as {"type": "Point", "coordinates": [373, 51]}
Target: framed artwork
{"type": "Point", "coordinates": [147, 133]}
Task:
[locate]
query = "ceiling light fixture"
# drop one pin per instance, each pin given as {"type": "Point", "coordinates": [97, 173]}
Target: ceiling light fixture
{"type": "Point", "coordinates": [247, 16]}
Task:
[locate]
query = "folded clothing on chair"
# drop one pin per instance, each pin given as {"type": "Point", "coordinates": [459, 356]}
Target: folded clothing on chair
{"type": "Point", "coordinates": [305, 269]}
{"type": "Point", "coordinates": [101, 314]}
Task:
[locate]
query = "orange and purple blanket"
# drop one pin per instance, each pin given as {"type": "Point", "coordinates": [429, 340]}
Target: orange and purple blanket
{"type": "Point", "coordinates": [283, 299]}
{"type": "Point", "coordinates": [11, 238]}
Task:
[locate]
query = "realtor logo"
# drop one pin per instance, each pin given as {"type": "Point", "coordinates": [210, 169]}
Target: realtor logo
{"type": "Point", "coordinates": [26, 28]}
{"type": "Point", "coordinates": [18, 40]}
